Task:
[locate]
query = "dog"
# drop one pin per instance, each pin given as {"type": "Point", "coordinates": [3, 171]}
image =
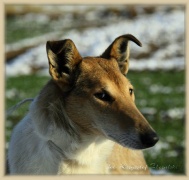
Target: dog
{"type": "Point", "coordinates": [84, 120]}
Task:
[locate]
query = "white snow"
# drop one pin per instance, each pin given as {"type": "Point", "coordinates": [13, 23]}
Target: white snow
{"type": "Point", "coordinates": [176, 113]}
{"type": "Point", "coordinates": [165, 30]}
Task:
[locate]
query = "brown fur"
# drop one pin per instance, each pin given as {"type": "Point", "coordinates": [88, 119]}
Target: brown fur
{"type": "Point", "coordinates": [92, 75]}
{"type": "Point", "coordinates": [85, 119]}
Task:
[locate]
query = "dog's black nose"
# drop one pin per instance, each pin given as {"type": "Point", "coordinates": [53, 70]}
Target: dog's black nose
{"type": "Point", "coordinates": [149, 139]}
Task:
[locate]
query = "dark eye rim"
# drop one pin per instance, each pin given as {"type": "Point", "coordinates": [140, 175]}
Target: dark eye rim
{"type": "Point", "coordinates": [103, 96]}
{"type": "Point", "coordinates": [131, 91]}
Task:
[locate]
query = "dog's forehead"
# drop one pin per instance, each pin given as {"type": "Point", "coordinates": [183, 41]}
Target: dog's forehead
{"type": "Point", "coordinates": [99, 64]}
{"type": "Point", "coordinates": [103, 70]}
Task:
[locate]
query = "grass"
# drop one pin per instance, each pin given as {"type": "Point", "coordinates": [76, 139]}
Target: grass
{"type": "Point", "coordinates": [168, 93]}
{"type": "Point", "coordinates": [19, 30]}
{"type": "Point", "coordinates": [161, 91]}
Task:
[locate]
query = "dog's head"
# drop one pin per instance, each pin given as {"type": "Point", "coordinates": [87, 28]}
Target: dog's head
{"type": "Point", "coordinates": [98, 97]}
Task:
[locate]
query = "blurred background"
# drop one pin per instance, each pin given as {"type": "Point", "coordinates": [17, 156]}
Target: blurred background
{"type": "Point", "coordinates": [157, 69]}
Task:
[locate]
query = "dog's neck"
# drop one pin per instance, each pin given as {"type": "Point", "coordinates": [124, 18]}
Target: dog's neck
{"type": "Point", "coordinates": [65, 138]}
{"type": "Point", "coordinates": [75, 150]}
{"type": "Point", "coordinates": [91, 156]}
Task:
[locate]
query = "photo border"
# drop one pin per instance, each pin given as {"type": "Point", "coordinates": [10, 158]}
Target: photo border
{"type": "Point", "coordinates": [95, 2]}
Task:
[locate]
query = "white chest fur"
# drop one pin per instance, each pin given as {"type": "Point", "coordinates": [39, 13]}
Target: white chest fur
{"type": "Point", "coordinates": [90, 159]}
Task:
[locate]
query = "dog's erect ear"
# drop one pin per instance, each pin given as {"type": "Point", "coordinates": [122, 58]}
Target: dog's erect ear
{"type": "Point", "coordinates": [120, 51]}
{"type": "Point", "coordinates": [63, 58]}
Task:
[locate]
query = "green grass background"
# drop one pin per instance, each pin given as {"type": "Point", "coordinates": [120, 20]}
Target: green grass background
{"type": "Point", "coordinates": [170, 153]}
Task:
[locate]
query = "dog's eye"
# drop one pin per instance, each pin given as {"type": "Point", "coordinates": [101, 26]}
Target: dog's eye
{"type": "Point", "coordinates": [104, 96]}
{"type": "Point", "coordinates": [131, 91]}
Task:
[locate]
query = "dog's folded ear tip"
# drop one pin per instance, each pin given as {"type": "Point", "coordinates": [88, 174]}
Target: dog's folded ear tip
{"type": "Point", "coordinates": [140, 44]}
{"type": "Point", "coordinates": [130, 37]}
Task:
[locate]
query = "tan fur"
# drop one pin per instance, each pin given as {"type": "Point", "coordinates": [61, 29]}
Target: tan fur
{"type": "Point", "coordinates": [127, 161]}
{"type": "Point", "coordinates": [84, 121]}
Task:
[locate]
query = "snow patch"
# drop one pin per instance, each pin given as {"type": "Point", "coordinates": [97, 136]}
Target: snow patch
{"type": "Point", "coordinates": [164, 30]}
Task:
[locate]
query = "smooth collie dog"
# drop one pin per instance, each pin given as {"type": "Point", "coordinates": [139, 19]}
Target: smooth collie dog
{"type": "Point", "coordinates": [84, 121]}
